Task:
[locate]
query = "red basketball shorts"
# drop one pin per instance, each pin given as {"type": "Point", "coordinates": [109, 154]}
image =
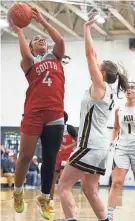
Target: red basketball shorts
{"type": "Point", "coordinates": [63, 155]}
{"type": "Point", "coordinates": [32, 124]}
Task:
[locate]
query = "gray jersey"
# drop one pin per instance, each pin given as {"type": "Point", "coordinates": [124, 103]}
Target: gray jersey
{"type": "Point", "coordinates": [126, 138]}
{"type": "Point", "coordinates": [44, 57]}
{"type": "Point", "coordinates": [94, 117]}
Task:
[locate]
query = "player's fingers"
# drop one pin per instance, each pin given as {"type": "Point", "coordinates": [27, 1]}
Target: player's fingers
{"type": "Point", "coordinates": [11, 23]}
{"type": "Point", "coordinates": [34, 13]}
{"type": "Point", "coordinates": [35, 10]}
{"type": "Point", "coordinates": [91, 16]}
{"type": "Point", "coordinates": [35, 17]}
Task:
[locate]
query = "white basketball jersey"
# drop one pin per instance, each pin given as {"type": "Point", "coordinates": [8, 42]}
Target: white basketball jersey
{"type": "Point", "coordinates": [94, 117]}
{"type": "Point", "coordinates": [126, 138]}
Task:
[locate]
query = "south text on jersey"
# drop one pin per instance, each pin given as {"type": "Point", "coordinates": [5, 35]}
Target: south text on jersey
{"type": "Point", "coordinates": [45, 66]}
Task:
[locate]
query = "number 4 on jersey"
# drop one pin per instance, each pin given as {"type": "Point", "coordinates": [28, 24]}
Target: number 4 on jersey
{"type": "Point", "coordinates": [47, 80]}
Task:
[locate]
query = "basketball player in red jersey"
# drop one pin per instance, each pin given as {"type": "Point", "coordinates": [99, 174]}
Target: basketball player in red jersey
{"type": "Point", "coordinates": [69, 142]}
{"type": "Point", "coordinates": [43, 108]}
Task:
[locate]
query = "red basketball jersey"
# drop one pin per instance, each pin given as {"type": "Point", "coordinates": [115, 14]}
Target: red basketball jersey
{"type": "Point", "coordinates": [46, 85]}
{"type": "Point", "coordinates": [67, 138]}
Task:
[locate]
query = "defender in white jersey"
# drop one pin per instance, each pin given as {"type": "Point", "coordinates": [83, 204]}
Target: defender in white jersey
{"type": "Point", "coordinates": [124, 156]}
{"type": "Point", "coordinates": [91, 154]}
{"type": "Point", "coordinates": [88, 160]}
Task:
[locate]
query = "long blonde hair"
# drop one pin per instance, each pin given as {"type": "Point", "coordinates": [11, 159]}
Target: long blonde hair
{"type": "Point", "coordinates": [114, 72]}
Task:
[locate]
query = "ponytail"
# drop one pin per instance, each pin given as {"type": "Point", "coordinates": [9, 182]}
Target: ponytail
{"type": "Point", "coordinates": [122, 80]}
{"type": "Point", "coordinates": [30, 44]}
{"type": "Point", "coordinates": [66, 59]}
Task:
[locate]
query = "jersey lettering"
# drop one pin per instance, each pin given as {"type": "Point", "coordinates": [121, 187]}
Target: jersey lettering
{"type": "Point", "coordinates": [128, 118]}
{"type": "Point", "coordinates": [129, 128]}
{"type": "Point", "coordinates": [46, 79]}
{"type": "Point", "coordinates": [112, 103]}
{"type": "Point", "coordinates": [46, 65]}
{"type": "Point", "coordinates": [39, 95]}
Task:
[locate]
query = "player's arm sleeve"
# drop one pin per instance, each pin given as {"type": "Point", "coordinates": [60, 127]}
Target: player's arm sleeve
{"type": "Point", "coordinates": [72, 131]}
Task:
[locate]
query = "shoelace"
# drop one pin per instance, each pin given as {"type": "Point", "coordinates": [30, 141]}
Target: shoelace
{"type": "Point", "coordinates": [45, 204]}
{"type": "Point", "coordinates": [51, 207]}
{"type": "Point", "coordinates": [18, 199]}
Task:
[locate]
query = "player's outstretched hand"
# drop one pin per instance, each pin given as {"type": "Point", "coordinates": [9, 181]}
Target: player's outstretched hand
{"type": "Point", "coordinates": [92, 19]}
{"type": "Point", "coordinates": [15, 28]}
{"type": "Point", "coordinates": [37, 15]}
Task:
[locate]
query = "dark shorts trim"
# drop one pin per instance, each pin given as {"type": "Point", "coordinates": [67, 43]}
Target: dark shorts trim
{"type": "Point", "coordinates": [88, 168]}
{"type": "Point", "coordinates": [74, 161]}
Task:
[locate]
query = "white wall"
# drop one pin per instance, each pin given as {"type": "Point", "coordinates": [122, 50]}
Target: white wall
{"type": "Point", "coordinates": [14, 83]}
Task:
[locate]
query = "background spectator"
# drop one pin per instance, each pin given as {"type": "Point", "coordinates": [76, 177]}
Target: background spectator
{"type": "Point", "coordinates": [33, 176]}
{"type": "Point", "coordinates": [8, 167]}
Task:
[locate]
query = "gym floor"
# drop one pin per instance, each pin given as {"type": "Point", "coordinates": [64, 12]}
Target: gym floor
{"type": "Point", "coordinates": [125, 209]}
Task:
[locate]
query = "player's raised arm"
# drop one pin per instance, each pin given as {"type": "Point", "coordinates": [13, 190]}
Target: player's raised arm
{"type": "Point", "coordinates": [116, 128]}
{"type": "Point", "coordinates": [96, 75]}
{"type": "Point", "coordinates": [27, 57]}
{"type": "Point", "coordinates": [59, 47]}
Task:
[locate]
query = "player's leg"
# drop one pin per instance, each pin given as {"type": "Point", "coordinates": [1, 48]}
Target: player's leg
{"type": "Point", "coordinates": [55, 178]}
{"type": "Point", "coordinates": [58, 170]}
{"type": "Point", "coordinates": [61, 156]}
{"type": "Point", "coordinates": [132, 160]}
{"type": "Point", "coordinates": [68, 178]}
{"type": "Point", "coordinates": [118, 176]}
{"type": "Point", "coordinates": [51, 140]}
{"type": "Point", "coordinates": [95, 162]}
{"type": "Point", "coordinates": [89, 185]}
{"type": "Point", "coordinates": [31, 129]}
{"type": "Point", "coordinates": [56, 174]}
{"type": "Point", "coordinates": [27, 149]}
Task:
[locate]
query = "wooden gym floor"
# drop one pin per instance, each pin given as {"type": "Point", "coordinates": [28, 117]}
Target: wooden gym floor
{"type": "Point", "coordinates": [125, 209]}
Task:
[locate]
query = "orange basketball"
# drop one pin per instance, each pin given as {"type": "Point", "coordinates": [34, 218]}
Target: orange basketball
{"type": "Point", "coordinates": [20, 14]}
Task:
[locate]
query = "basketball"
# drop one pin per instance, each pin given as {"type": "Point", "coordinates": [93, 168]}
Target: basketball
{"type": "Point", "coordinates": [20, 14]}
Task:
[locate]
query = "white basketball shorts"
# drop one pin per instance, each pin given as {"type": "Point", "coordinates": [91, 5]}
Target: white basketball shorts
{"type": "Point", "coordinates": [124, 159]}
{"type": "Point", "coordinates": [89, 160]}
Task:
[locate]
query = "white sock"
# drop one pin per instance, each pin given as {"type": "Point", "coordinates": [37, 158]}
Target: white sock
{"type": "Point", "coordinates": [45, 195]}
{"type": "Point", "coordinates": [110, 212]}
{"type": "Point", "coordinates": [52, 202]}
{"type": "Point", "coordinates": [18, 189]}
